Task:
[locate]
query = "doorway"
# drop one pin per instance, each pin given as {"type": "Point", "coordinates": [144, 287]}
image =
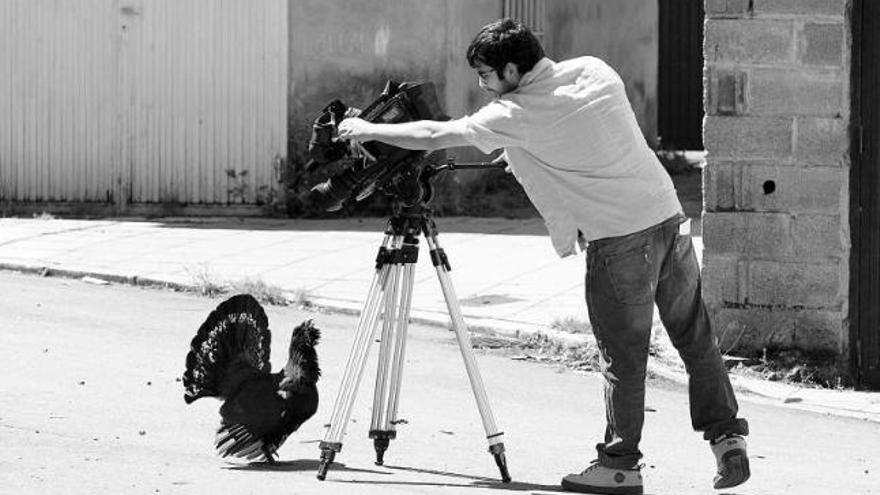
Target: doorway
{"type": "Point", "coordinates": [680, 75]}
{"type": "Point", "coordinates": [864, 196]}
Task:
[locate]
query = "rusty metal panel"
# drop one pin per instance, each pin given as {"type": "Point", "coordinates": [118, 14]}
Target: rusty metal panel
{"type": "Point", "coordinates": [142, 101]}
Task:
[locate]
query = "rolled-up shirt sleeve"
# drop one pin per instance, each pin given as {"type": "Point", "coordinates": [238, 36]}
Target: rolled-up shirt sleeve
{"type": "Point", "coordinates": [496, 125]}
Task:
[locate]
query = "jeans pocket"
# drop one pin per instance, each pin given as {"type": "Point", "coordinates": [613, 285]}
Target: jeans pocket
{"type": "Point", "coordinates": [631, 276]}
{"type": "Point", "coordinates": [687, 268]}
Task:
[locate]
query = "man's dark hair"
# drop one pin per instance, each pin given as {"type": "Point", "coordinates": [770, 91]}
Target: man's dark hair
{"type": "Point", "coordinates": [502, 41]}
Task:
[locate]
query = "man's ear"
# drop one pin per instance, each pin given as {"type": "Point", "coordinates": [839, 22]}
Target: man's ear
{"type": "Point", "coordinates": [511, 72]}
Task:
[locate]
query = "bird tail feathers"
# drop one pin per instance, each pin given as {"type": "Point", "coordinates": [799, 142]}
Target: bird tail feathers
{"type": "Point", "coordinates": [233, 340]}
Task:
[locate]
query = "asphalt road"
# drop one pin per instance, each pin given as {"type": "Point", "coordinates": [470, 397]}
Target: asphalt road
{"type": "Point", "coordinates": [90, 402]}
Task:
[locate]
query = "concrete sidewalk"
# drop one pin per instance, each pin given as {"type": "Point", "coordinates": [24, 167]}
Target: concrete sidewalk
{"type": "Point", "coordinates": [506, 275]}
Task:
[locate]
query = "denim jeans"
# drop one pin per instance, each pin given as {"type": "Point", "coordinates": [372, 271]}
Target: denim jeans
{"type": "Point", "coordinates": [625, 277]}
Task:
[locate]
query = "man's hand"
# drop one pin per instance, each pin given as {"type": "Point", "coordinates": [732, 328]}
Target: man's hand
{"type": "Point", "coordinates": [502, 158]}
{"type": "Point", "coordinates": [354, 128]}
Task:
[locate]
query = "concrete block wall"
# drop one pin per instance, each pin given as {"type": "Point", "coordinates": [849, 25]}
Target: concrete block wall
{"type": "Point", "coordinates": [776, 221]}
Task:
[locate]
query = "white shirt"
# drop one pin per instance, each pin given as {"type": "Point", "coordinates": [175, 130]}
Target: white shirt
{"type": "Point", "coordinates": [572, 141]}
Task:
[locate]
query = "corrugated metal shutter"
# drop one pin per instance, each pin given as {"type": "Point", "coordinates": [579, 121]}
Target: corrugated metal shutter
{"type": "Point", "coordinates": [55, 111]}
{"type": "Point", "coordinates": [142, 101]}
{"type": "Point", "coordinates": [532, 13]}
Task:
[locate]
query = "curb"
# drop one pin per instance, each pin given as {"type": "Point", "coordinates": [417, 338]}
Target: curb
{"type": "Point", "coordinates": [45, 271]}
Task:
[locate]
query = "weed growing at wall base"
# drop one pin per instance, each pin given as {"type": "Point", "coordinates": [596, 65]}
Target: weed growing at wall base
{"type": "Point", "coordinates": [793, 366]}
{"type": "Point", "coordinates": [206, 282]}
{"type": "Point", "coordinates": [262, 291]}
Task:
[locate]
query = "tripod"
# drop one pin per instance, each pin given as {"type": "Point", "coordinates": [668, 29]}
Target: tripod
{"type": "Point", "coordinates": [390, 295]}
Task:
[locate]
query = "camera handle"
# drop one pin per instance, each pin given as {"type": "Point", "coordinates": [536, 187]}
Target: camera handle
{"type": "Point", "coordinates": [430, 171]}
{"type": "Point", "coordinates": [451, 165]}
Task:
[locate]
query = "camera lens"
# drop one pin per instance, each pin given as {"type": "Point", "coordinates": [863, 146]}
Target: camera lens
{"type": "Point", "coordinates": [331, 194]}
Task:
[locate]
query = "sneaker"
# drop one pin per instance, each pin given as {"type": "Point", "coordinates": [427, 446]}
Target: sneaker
{"type": "Point", "coordinates": [605, 480]}
{"type": "Point", "coordinates": [732, 460]}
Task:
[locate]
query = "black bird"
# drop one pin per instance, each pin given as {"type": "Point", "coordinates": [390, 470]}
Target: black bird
{"type": "Point", "coordinates": [229, 359]}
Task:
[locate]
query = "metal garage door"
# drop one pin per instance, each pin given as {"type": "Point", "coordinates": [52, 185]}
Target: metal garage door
{"type": "Point", "coordinates": [158, 101]}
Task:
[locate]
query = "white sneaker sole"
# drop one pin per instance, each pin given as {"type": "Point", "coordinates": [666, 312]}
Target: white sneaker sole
{"type": "Point", "coordinates": [574, 486]}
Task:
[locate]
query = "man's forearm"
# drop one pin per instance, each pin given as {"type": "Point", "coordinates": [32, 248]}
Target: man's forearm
{"type": "Point", "coordinates": [418, 135]}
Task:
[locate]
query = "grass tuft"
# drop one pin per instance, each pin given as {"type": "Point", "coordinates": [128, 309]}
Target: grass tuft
{"type": "Point", "coordinates": [302, 299]}
{"type": "Point", "coordinates": [793, 366]}
{"type": "Point", "coordinates": [264, 292]}
{"type": "Point", "coordinates": [570, 324]}
{"type": "Point", "coordinates": [205, 282]}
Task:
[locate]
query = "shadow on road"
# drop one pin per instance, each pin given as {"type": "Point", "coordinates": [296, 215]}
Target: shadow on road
{"type": "Point", "coordinates": [476, 481]}
{"type": "Point", "coordinates": [298, 465]}
{"type": "Point", "coordinates": [513, 486]}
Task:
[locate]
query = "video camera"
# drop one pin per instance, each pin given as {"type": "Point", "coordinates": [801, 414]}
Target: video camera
{"type": "Point", "coordinates": [373, 165]}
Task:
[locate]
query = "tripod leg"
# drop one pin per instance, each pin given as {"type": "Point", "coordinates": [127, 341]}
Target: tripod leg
{"type": "Point", "coordinates": [354, 369]}
{"type": "Point", "coordinates": [495, 437]}
{"type": "Point", "coordinates": [389, 378]}
{"type": "Point", "coordinates": [400, 348]}
{"type": "Point", "coordinates": [387, 430]}
{"type": "Point", "coordinates": [378, 431]}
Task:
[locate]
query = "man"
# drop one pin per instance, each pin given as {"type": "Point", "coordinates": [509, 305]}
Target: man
{"type": "Point", "coordinates": [571, 139]}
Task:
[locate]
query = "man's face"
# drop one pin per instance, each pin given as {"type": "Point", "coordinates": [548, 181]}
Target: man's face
{"type": "Point", "coordinates": [491, 82]}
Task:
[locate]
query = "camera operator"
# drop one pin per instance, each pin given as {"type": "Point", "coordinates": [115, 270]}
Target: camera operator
{"type": "Point", "coordinates": [571, 139]}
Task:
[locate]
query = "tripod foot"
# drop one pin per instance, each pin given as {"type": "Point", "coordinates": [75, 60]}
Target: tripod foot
{"type": "Point", "coordinates": [497, 451]}
{"type": "Point", "coordinates": [327, 456]}
{"type": "Point", "coordinates": [381, 445]}
{"type": "Point", "coordinates": [501, 461]}
{"type": "Point", "coordinates": [381, 440]}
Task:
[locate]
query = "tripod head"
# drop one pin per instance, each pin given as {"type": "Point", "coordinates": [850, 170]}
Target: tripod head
{"type": "Point", "coordinates": [419, 190]}
{"type": "Point", "coordinates": [412, 211]}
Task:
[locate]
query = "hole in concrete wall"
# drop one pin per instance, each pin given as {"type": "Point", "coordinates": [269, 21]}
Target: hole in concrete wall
{"type": "Point", "coordinates": [769, 187]}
